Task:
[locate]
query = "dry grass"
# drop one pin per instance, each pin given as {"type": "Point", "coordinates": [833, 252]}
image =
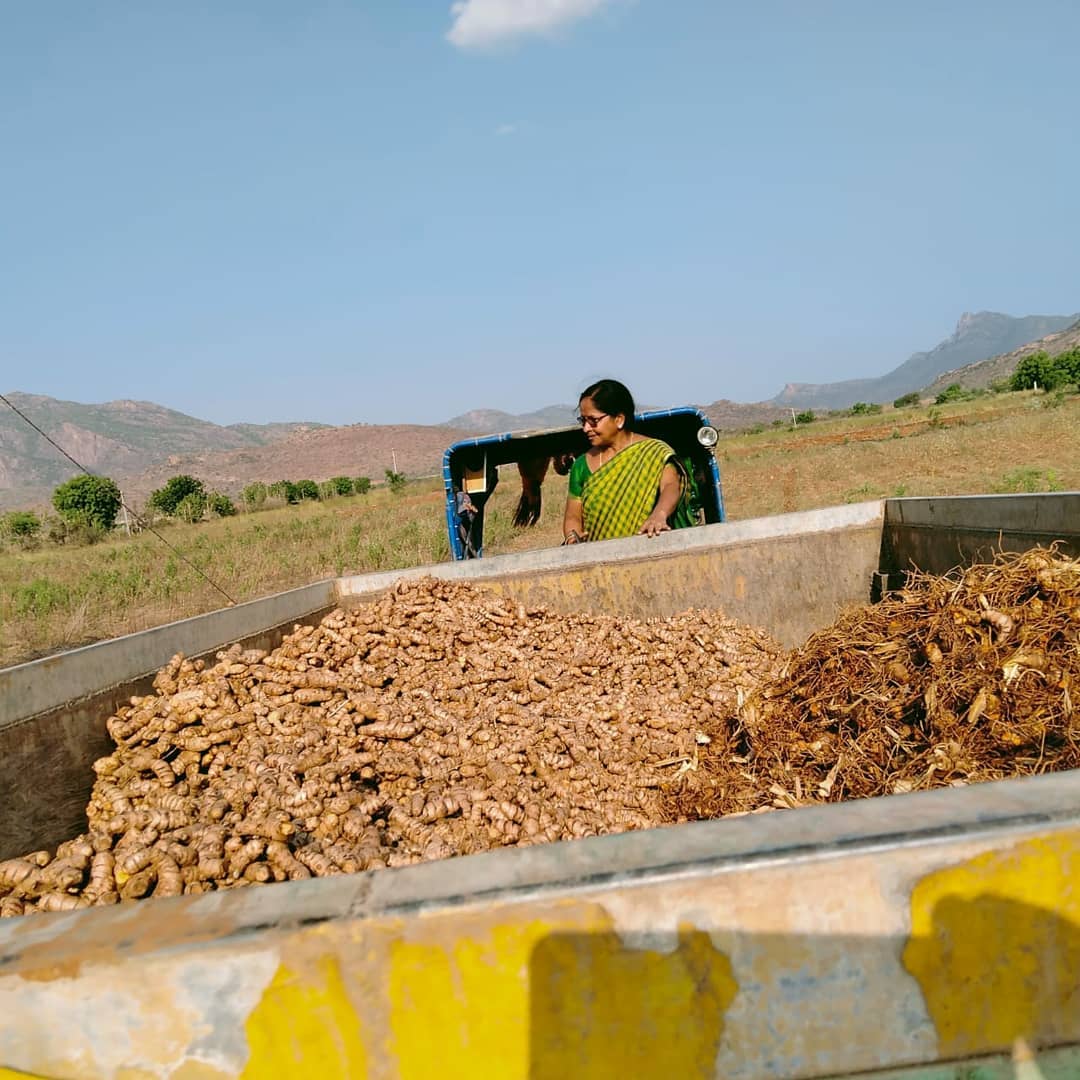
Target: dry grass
{"type": "Point", "coordinates": [58, 598]}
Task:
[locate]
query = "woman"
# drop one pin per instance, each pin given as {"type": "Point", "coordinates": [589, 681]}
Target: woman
{"type": "Point", "coordinates": [625, 483]}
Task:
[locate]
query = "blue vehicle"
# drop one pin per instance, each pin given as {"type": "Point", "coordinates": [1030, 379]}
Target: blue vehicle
{"type": "Point", "coordinates": [471, 470]}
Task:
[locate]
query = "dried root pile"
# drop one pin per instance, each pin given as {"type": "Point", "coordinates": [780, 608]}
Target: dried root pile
{"type": "Point", "coordinates": [969, 677]}
{"type": "Point", "coordinates": [439, 721]}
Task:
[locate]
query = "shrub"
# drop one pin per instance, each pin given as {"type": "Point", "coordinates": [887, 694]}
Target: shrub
{"type": "Point", "coordinates": [342, 485]}
{"type": "Point", "coordinates": [167, 499]}
{"type": "Point", "coordinates": [88, 500]}
{"type": "Point", "coordinates": [779, 423]}
{"type": "Point", "coordinates": [1028, 480]}
{"type": "Point", "coordinates": [285, 489]}
{"type": "Point", "coordinates": [906, 401]}
{"type": "Point", "coordinates": [806, 417]}
{"type": "Point", "coordinates": [19, 525]}
{"type": "Point", "coordinates": [191, 507]}
{"type": "Point", "coordinates": [362, 485]}
{"type": "Point", "coordinates": [862, 408]}
{"type": "Point", "coordinates": [307, 489]}
{"type": "Point", "coordinates": [757, 429]}
{"type": "Point", "coordinates": [220, 504]}
{"type": "Point", "coordinates": [40, 597]}
{"type": "Point", "coordinates": [395, 481]}
{"type": "Point", "coordinates": [953, 392]}
{"type": "Point", "coordinates": [254, 495]}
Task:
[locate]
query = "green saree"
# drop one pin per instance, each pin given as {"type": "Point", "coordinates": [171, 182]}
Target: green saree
{"type": "Point", "coordinates": [619, 496]}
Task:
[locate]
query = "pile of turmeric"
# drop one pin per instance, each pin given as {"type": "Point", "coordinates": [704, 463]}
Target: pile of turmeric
{"type": "Point", "coordinates": [440, 720]}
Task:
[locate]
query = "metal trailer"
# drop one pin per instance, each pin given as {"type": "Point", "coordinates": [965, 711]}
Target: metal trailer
{"type": "Point", "coordinates": [913, 936]}
{"type": "Point", "coordinates": [471, 467]}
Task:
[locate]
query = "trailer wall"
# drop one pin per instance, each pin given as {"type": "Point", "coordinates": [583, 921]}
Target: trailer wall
{"type": "Point", "coordinates": [922, 935]}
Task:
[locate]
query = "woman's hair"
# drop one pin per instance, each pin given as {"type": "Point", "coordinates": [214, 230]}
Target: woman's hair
{"type": "Point", "coordinates": [613, 398]}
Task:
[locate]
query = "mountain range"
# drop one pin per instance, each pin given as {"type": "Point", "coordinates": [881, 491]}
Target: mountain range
{"type": "Point", "coordinates": [142, 443]}
{"type": "Point", "coordinates": [977, 337]}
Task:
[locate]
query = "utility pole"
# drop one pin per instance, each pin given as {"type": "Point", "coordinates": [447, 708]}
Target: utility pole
{"type": "Point", "coordinates": [123, 506]}
{"type": "Point", "coordinates": [794, 422]}
{"type": "Point", "coordinates": [393, 454]}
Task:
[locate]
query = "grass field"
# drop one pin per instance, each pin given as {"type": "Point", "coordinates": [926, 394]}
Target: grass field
{"type": "Point", "coordinates": [61, 597]}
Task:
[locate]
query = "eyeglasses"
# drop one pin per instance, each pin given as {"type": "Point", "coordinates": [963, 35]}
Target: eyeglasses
{"type": "Point", "coordinates": [591, 421]}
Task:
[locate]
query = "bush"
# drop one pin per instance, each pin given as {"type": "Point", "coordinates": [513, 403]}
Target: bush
{"type": "Point", "coordinates": [1028, 480]}
{"type": "Point", "coordinates": [284, 489]}
{"type": "Point", "coordinates": [953, 392]}
{"type": "Point", "coordinates": [362, 485]}
{"type": "Point", "coordinates": [19, 525]}
{"type": "Point", "coordinates": [307, 489]}
{"type": "Point", "coordinates": [907, 401]}
{"type": "Point", "coordinates": [254, 495]}
{"type": "Point", "coordinates": [220, 504]}
{"type": "Point", "coordinates": [167, 499]}
{"type": "Point", "coordinates": [88, 501]}
{"type": "Point", "coordinates": [1046, 372]}
{"type": "Point", "coordinates": [1000, 386]}
{"type": "Point", "coordinates": [862, 408]}
{"type": "Point", "coordinates": [395, 481]}
{"type": "Point", "coordinates": [806, 417]}
{"type": "Point", "coordinates": [342, 485]}
{"type": "Point", "coordinates": [779, 423]}
{"type": "Point", "coordinates": [191, 508]}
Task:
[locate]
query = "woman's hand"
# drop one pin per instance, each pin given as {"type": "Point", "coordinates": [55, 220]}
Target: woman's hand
{"type": "Point", "coordinates": [655, 524]}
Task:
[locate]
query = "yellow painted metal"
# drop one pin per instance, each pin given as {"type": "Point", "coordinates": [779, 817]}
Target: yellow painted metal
{"type": "Point", "coordinates": [995, 946]}
{"type": "Point", "coordinates": [306, 1025]}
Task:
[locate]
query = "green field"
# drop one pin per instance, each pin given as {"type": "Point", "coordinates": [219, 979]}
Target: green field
{"type": "Point", "coordinates": [60, 597]}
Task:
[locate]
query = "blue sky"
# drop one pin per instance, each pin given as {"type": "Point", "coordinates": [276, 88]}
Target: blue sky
{"type": "Point", "coordinates": [392, 211]}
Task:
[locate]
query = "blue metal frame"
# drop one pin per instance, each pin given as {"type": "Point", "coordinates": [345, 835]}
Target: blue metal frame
{"type": "Point", "coordinates": [453, 519]}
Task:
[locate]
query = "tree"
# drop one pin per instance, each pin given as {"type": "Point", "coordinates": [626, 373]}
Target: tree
{"type": "Point", "coordinates": [220, 504]}
{"type": "Point", "coordinates": [343, 485]}
{"type": "Point", "coordinates": [284, 489]}
{"type": "Point", "coordinates": [191, 507]}
{"type": "Point", "coordinates": [1033, 370]}
{"type": "Point", "coordinates": [862, 408]}
{"type": "Point", "coordinates": [307, 489]}
{"type": "Point", "coordinates": [20, 525]}
{"type": "Point", "coordinates": [362, 485]}
{"type": "Point", "coordinates": [254, 495]}
{"type": "Point", "coordinates": [806, 417]}
{"type": "Point", "coordinates": [88, 500]}
{"type": "Point", "coordinates": [906, 401]}
{"type": "Point", "coordinates": [167, 499]}
{"type": "Point", "coordinates": [395, 481]}
{"type": "Point", "coordinates": [1067, 365]}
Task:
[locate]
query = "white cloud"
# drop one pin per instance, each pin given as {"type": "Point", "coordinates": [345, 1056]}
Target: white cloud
{"type": "Point", "coordinates": [506, 129]}
{"type": "Point", "coordinates": [480, 23]}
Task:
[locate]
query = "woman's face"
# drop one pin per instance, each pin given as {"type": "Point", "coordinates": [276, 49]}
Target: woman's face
{"type": "Point", "coordinates": [600, 428]}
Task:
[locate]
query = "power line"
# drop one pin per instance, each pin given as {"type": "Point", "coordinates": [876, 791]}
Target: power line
{"type": "Point", "coordinates": [139, 519]}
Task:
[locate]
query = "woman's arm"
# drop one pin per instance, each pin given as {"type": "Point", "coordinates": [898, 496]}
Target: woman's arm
{"type": "Point", "coordinates": [667, 500]}
{"type": "Point", "coordinates": [573, 525]}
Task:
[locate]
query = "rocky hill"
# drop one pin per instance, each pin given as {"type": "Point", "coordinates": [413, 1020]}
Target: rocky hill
{"type": "Point", "coordinates": [115, 438]}
{"type": "Point", "coordinates": [355, 450]}
{"type": "Point", "coordinates": [981, 375]}
{"type": "Point", "coordinates": [495, 422]}
{"type": "Point", "coordinates": [977, 337]}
